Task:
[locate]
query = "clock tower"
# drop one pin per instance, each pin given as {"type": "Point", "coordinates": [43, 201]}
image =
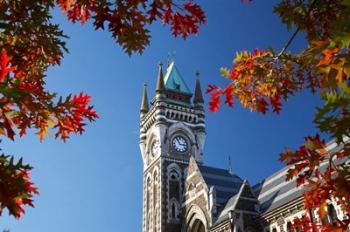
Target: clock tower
{"type": "Point", "coordinates": [172, 129]}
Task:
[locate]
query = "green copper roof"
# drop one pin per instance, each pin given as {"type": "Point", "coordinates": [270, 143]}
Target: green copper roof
{"type": "Point", "coordinates": [174, 80]}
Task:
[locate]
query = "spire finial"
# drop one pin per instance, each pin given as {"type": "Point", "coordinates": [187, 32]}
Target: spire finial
{"type": "Point", "coordinates": [171, 57]}
{"type": "Point", "coordinates": [160, 80]}
{"type": "Point", "coordinates": [229, 165]}
{"type": "Point", "coordinates": [144, 103]}
{"type": "Point", "coordinates": [197, 74]}
{"type": "Point", "coordinates": [198, 96]}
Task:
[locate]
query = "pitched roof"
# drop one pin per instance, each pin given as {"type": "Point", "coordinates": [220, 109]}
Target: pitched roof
{"type": "Point", "coordinates": [274, 191]}
{"type": "Point", "coordinates": [225, 183]}
{"type": "Point", "coordinates": [174, 80]}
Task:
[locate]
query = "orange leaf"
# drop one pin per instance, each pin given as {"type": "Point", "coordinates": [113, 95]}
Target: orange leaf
{"type": "Point", "coordinates": [327, 56]}
{"type": "Point", "coordinates": [323, 210]}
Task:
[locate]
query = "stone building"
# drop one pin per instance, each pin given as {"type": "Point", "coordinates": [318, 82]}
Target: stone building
{"type": "Point", "coordinates": [181, 194]}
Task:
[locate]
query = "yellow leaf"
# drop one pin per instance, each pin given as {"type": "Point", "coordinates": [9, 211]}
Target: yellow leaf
{"type": "Point", "coordinates": [42, 132]}
{"type": "Point", "coordinates": [244, 99]}
{"type": "Point", "coordinates": [225, 72]}
{"type": "Point", "coordinates": [336, 72]}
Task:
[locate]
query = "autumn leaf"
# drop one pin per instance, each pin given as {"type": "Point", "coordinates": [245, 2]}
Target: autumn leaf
{"type": "Point", "coordinates": [4, 63]}
{"type": "Point", "coordinates": [328, 55]}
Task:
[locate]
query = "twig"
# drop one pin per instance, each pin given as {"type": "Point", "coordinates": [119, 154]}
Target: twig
{"type": "Point", "coordinates": [312, 5]}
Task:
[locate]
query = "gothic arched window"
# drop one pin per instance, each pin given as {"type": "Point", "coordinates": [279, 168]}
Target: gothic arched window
{"type": "Point", "coordinates": [174, 209]}
{"type": "Point", "coordinates": [155, 188]}
{"type": "Point", "coordinates": [155, 199]}
{"type": "Point", "coordinates": [174, 178]}
{"type": "Point", "coordinates": [312, 215]}
{"type": "Point", "coordinates": [332, 214]}
{"type": "Point", "coordinates": [148, 195]}
{"type": "Point", "coordinates": [174, 185]}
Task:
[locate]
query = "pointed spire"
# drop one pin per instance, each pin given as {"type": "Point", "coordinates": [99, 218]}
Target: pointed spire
{"type": "Point", "coordinates": [198, 96]}
{"type": "Point", "coordinates": [160, 81]}
{"type": "Point", "coordinates": [144, 104]}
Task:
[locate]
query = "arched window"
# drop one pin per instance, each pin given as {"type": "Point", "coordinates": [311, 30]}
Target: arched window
{"type": "Point", "coordinates": [174, 209]}
{"type": "Point", "coordinates": [274, 230]}
{"type": "Point", "coordinates": [155, 199]}
{"type": "Point", "coordinates": [332, 214]}
{"type": "Point", "coordinates": [312, 215]}
{"type": "Point", "coordinates": [174, 178]}
{"type": "Point", "coordinates": [155, 188]}
{"type": "Point", "coordinates": [174, 191]}
{"type": "Point", "coordinates": [148, 195]}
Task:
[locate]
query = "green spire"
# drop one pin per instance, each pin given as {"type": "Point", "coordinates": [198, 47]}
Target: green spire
{"type": "Point", "coordinates": [144, 104]}
{"type": "Point", "coordinates": [160, 81]}
{"type": "Point", "coordinates": [198, 96]}
{"type": "Point", "coordinates": [174, 80]}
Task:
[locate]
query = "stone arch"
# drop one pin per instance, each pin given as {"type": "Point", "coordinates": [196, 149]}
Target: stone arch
{"type": "Point", "coordinates": [195, 220]}
{"type": "Point", "coordinates": [174, 191]}
{"type": "Point", "coordinates": [176, 167]}
{"type": "Point", "coordinates": [197, 226]}
{"type": "Point", "coordinates": [181, 127]}
{"type": "Point", "coordinates": [151, 135]}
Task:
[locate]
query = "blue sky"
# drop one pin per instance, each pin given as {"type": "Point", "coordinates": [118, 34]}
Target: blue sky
{"type": "Point", "coordinates": [93, 182]}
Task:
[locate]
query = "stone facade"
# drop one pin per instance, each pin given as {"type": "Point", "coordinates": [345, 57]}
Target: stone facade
{"type": "Point", "coordinates": [180, 194]}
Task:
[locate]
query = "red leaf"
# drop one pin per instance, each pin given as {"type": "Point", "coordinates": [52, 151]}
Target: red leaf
{"type": "Point", "coordinates": [4, 63]}
{"type": "Point", "coordinates": [276, 104]}
{"type": "Point", "coordinates": [261, 105]}
{"type": "Point", "coordinates": [214, 102]}
{"type": "Point", "coordinates": [228, 92]}
{"type": "Point", "coordinates": [211, 88]}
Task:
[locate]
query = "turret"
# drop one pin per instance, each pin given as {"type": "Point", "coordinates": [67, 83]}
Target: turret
{"type": "Point", "coordinates": [144, 103]}
{"type": "Point", "coordinates": [160, 87]}
{"type": "Point", "coordinates": [198, 96]}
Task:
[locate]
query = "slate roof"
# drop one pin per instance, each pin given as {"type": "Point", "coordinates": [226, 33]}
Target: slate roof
{"type": "Point", "coordinates": [274, 191]}
{"type": "Point", "coordinates": [225, 183]}
{"type": "Point", "coordinates": [174, 81]}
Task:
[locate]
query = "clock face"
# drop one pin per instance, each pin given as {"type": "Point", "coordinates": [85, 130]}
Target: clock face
{"type": "Point", "coordinates": [179, 143]}
{"type": "Point", "coordinates": [155, 148]}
